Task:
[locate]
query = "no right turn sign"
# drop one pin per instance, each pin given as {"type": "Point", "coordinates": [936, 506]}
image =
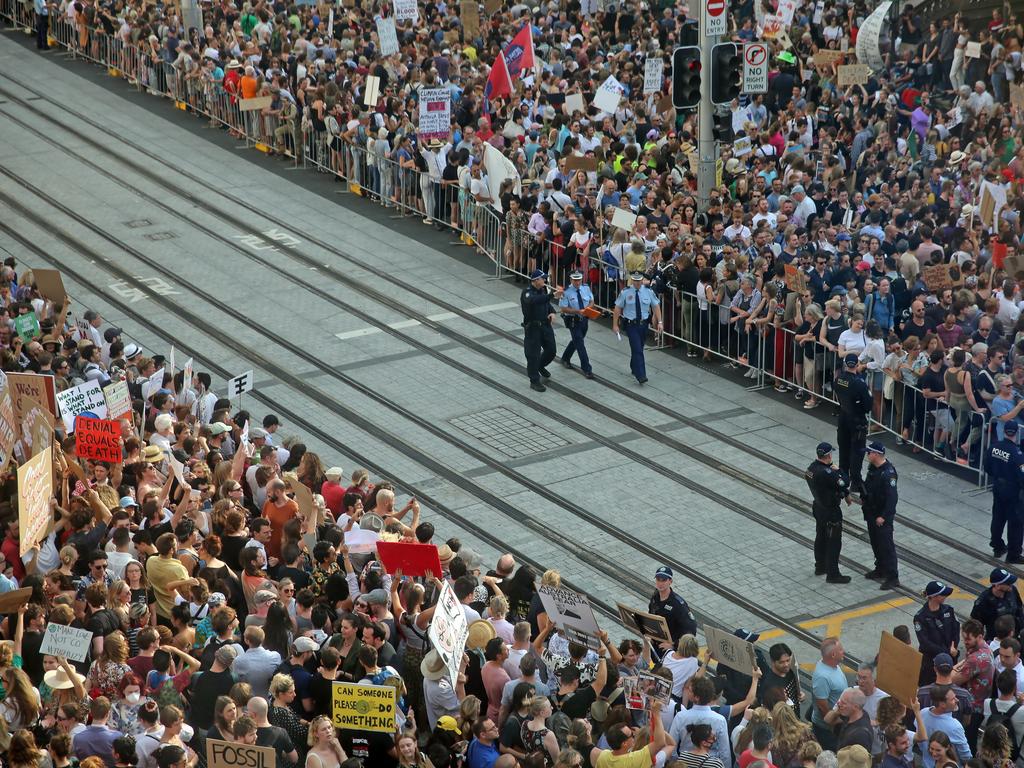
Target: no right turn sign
{"type": "Point", "coordinates": [755, 68]}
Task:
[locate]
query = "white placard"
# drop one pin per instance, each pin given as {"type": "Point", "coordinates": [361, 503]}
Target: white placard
{"type": "Point", "coordinates": [186, 381]}
{"type": "Point", "coordinates": [608, 95]}
{"type": "Point", "coordinates": [119, 400]}
{"type": "Point", "coordinates": [570, 611]}
{"type": "Point", "coordinates": [388, 36]}
{"type": "Point", "coordinates": [330, 24]}
{"type": "Point", "coordinates": [85, 398]}
{"type": "Point", "coordinates": [448, 630]}
{"type": "Point", "coordinates": [715, 16]}
{"type": "Point", "coordinates": [153, 384]}
{"type": "Point", "coordinates": [435, 114]}
{"type": "Point", "coordinates": [176, 467]}
{"type": "Point", "coordinates": [360, 542]}
{"type": "Point", "coordinates": [755, 68]}
{"type": "Point", "coordinates": [623, 219]}
{"type": "Point", "coordinates": [741, 147]}
{"type": "Point", "coordinates": [654, 74]}
{"type": "Point", "coordinates": [69, 642]}
{"type": "Point", "coordinates": [406, 10]}
{"type": "Point", "coordinates": [787, 10]}
{"type": "Point", "coordinates": [574, 103]}
{"type": "Point", "coordinates": [973, 50]}
{"type": "Point", "coordinates": [240, 384]}
{"type": "Point", "coordinates": [372, 91]}
{"type": "Point", "coordinates": [867, 48]}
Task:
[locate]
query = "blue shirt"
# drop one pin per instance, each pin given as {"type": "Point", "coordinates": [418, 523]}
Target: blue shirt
{"type": "Point", "coordinates": [827, 683]}
{"type": "Point", "coordinates": [1000, 406]}
{"type": "Point", "coordinates": [572, 295]}
{"type": "Point", "coordinates": [952, 728]}
{"type": "Point", "coordinates": [648, 301]}
{"type": "Point", "coordinates": [700, 713]}
{"type": "Point", "coordinates": [480, 755]}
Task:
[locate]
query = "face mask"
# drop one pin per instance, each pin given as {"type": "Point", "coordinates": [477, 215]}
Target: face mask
{"type": "Point", "coordinates": [133, 698]}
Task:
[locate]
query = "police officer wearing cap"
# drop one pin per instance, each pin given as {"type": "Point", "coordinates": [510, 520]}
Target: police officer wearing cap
{"type": "Point", "coordinates": [1005, 466]}
{"type": "Point", "coordinates": [828, 487]}
{"type": "Point", "coordinates": [1001, 598]}
{"type": "Point", "coordinates": [879, 507]}
{"type": "Point", "coordinates": [635, 307]}
{"type": "Point", "coordinates": [938, 630]}
{"type": "Point", "coordinates": [574, 300]}
{"type": "Point", "coordinates": [539, 336]}
{"type": "Point", "coordinates": [854, 406]}
{"type": "Point", "coordinates": [677, 614]}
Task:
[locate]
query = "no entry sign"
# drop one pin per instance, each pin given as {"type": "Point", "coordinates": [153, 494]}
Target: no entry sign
{"type": "Point", "coordinates": [755, 68]}
{"type": "Point", "coordinates": [716, 21]}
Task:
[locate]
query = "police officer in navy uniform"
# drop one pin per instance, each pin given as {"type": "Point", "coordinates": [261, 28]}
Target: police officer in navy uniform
{"type": "Point", "coordinates": [539, 337]}
{"type": "Point", "coordinates": [879, 508]}
{"type": "Point", "coordinates": [1005, 466]}
{"type": "Point", "coordinates": [677, 614]}
{"type": "Point", "coordinates": [635, 307]}
{"type": "Point", "coordinates": [938, 630]}
{"type": "Point", "coordinates": [574, 300]}
{"type": "Point", "coordinates": [828, 487]}
{"type": "Point", "coordinates": [854, 406]}
{"type": "Point", "coordinates": [1001, 598]}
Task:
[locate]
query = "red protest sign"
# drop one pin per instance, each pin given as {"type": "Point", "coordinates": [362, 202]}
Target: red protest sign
{"type": "Point", "coordinates": [98, 439]}
{"type": "Point", "coordinates": [412, 559]}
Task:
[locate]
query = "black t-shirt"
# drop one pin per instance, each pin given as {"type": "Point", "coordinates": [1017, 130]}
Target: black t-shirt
{"type": "Point", "coordinates": [103, 622]}
{"type": "Point", "coordinates": [321, 690]}
{"type": "Point", "coordinates": [371, 748]}
{"type": "Point", "coordinates": [85, 542]}
{"type": "Point", "coordinates": [913, 329]}
{"type": "Point", "coordinates": [230, 548]}
{"type": "Point", "coordinates": [205, 690]}
{"type": "Point", "coordinates": [933, 380]}
{"type": "Point", "coordinates": [511, 733]}
{"type": "Point", "coordinates": [578, 704]}
{"type": "Point", "coordinates": [275, 738]}
{"type": "Point", "coordinates": [32, 659]}
{"type": "Point", "coordinates": [299, 577]}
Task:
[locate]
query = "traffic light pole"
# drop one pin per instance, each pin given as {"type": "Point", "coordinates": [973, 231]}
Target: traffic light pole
{"type": "Point", "coordinates": [707, 154]}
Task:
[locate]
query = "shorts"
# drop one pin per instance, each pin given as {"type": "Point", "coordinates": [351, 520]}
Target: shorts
{"type": "Point", "coordinates": [810, 368]}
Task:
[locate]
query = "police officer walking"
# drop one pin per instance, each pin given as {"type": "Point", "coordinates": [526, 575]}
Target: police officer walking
{"type": "Point", "coordinates": [635, 307]}
{"type": "Point", "coordinates": [1005, 466]}
{"type": "Point", "coordinates": [938, 630]}
{"type": "Point", "coordinates": [854, 406]}
{"type": "Point", "coordinates": [879, 507]}
{"type": "Point", "coordinates": [669, 605]}
{"type": "Point", "coordinates": [828, 487]}
{"type": "Point", "coordinates": [574, 300]}
{"type": "Point", "coordinates": [539, 337]}
{"type": "Point", "coordinates": [1001, 598]}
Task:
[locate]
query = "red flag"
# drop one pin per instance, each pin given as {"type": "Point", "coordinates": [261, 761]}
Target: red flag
{"type": "Point", "coordinates": [499, 83]}
{"type": "Point", "coordinates": [519, 53]}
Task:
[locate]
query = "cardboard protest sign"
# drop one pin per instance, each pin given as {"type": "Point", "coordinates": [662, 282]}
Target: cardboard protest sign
{"type": "Point", "coordinates": [360, 542]}
{"type": "Point", "coordinates": [898, 668]}
{"type": "Point", "coordinates": [8, 426]}
{"type": "Point", "coordinates": [492, 7]}
{"type": "Point", "coordinates": [251, 105]}
{"type": "Point", "coordinates": [13, 600]}
{"type": "Point", "coordinates": [571, 611]}
{"type": "Point", "coordinates": [35, 487]}
{"type": "Point", "coordinates": [574, 103]}
{"type": "Point", "coordinates": [730, 650]}
{"type": "Point", "coordinates": [118, 399]}
{"type": "Point", "coordinates": [796, 278]}
{"type": "Point", "coordinates": [85, 398]}
{"type": "Point", "coordinates": [388, 36]}
{"type": "Point", "coordinates": [435, 114]}
{"type": "Point", "coordinates": [27, 326]}
{"type": "Point", "coordinates": [50, 285]}
{"type": "Point", "coordinates": [825, 57]}
{"type": "Point", "coordinates": [412, 559]}
{"type": "Point", "coordinates": [936, 277]}
{"type": "Point", "coordinates": [469, 13]}
{"type": "Point", "coordinates": [623, 219]}
{"type": "Point", "coordinates": [364, 707]}
{"type": "Point", "coordinates": [406, 10]}
{"type": "Point", "coordinates": [98, 439]}
{"type": "Point", "coordinates": [371, 92]}
{"type": "Point", "coordinates": [28, 388]}
{"type": "Point", "coordinates": [644, 624]}
{"type": "Point", "coordinates": [69, 642]}
{"type": "Point", "coordinates": [36, 431]}
{"type": "Point", "coordinates": [1017, 95]}
{"type": "Point", "coordinates": [741, 147]}
{"type": "Point", "coordinates": [229, 754]}
{"type": "Point", "coordinates": [654, 74]}
{"type": "Point", "coordinates": [973, 50]}
{"type": "Point", "coordinates": [853, 74]}
{"type": "Point", "coordinates": [578, 163]}
{"type": "Point", "coordinates": [1013, 265]}
{"type": "Point", "coordinates": [448, 630]}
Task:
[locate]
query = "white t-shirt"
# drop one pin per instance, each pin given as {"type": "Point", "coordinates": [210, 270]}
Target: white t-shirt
{"type": "Point", "coordinates": [681, 669]}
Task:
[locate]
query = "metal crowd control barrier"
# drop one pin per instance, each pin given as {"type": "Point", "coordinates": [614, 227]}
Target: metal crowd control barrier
{"type": "Point", "coordinates": [768, 350]}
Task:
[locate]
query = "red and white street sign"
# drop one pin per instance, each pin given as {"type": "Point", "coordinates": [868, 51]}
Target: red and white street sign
{"type": "Point", "coordinates": [716, 20]}
{"type": "Point", "coordinates": [755, 68]}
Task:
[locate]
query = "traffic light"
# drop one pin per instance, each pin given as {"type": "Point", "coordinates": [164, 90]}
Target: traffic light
{"type": "Point", "coordinates": [722, 128]}
{"type": "Point", "coordinates": [686, 77]}
{"type": "Point", "coordinates": [726, 73]}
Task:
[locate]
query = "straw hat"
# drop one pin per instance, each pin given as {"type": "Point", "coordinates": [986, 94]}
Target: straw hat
{"type": "Point", "coordinates": [480, 631]}
{"type": "Point", "coordinates": [58, 679]}
{"type": "Point", "coordinates": [445, 554]}
{"type": "Point", "coordinates": [152, 454]}
{"type": "Point", "coordinates": [433, 667]}
{"type": "Point", "coordinates": [854, 756]}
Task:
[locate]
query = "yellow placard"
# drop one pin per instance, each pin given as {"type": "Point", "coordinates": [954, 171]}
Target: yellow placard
{"type": "Point", "coordinates": [365, 707]}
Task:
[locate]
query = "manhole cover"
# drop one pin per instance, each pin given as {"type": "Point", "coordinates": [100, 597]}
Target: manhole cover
{"type": "Point", "coordinates": [508, 432]}
{"type": "Point", "coordinates": [161, 236]}
{"type": "Point", "coordinates": [138, 223]}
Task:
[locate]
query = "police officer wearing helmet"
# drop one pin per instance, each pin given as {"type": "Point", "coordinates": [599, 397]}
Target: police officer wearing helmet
{"type": "Point", "coordinates": [635, 307]}
{"type": "Point", "coordinates": [854, 406]}
{"type": "Point", "coordinates": [828, 487]}
{"type": "Point", "coordinates": [539, 336]}
{"type": "Point", "coordinates": [574, 300]}
{"type": "Point", "coordinates": [1001, 598]}
{"type": "Point", "coordinates": [669, 605]}
{"type": "Point", "coordinates": [879, 508]}
{"type": "Point", "coordinates": [938, 630]}
{"type": "Point", "coordinates": [1005, 466]}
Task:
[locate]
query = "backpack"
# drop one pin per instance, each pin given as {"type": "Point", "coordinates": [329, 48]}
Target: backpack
{"type": "Point", "coordinates": [209, 651]}
{"type": "Point", "coordinates": [166, 694]}
{"type": "Point", "coordinates": [611, 265]}
{"type": "Point", "coordinates": [559, 724]}
{"type": "Point", "coordinates": [1005, 719]}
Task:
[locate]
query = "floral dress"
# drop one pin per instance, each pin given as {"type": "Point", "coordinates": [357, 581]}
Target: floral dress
{"type": "Point", "coordinates": [105, 676]}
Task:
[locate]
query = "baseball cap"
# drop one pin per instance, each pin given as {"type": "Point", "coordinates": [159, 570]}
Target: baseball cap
{"type": "Point", "coordinates": [264, 596]}
{"type": "Point", "coordinates": [376, 597]}
{"type": "Point", "coordinates": [943, 662]}
{"type": "Point", "coordinates": [1001, 576]}
{"type": "Point", "coordinates": [663, 573]}
{"type": "Point", "coordinates": [112, 333]}
{"type": "Point", "coordinates": [843, 237]}
{"type": "Point", "coordinates": [876, 447]}
{"type": "Point", "coordinates": [219, 428]}
{"type": "Point", "coordinates": [823, 449]}
{"type": "Point", "coordinates": [304, 644]}
{"type": "Point", "coordinates": [850, 360]}
{"type": "Point", "coordinates": [334, 474]}
{"type": "Point", "coordinates": [1010, 428]}
{"type": "Point", "coordinates": [215, 599]}
{"type": "Point", "coordinates": [447, 723]}
{"type": "Point", "coordinates": [538, 274]}
{"type": "Point", "coordinates": [937, 589]}
{"type": "Point", "coordinates": [226, 654]}
{"type": "Point", "coordinates": [746, 634]}
{"type": "Point", "coordinates": [128, 501]}
{"type": "Point", "coordinates": [257, 433]}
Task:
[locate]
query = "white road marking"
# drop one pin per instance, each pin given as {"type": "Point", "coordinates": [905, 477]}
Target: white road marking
{"type": "Point", "coordinates": [440, 317]}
